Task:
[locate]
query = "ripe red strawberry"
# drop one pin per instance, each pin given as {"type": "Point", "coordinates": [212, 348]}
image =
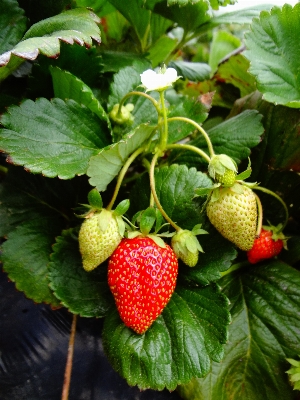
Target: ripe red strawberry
{"type": "Point", "coordinates": [142, 277]}
{"type": "Point", "coordinates": [264, 247]}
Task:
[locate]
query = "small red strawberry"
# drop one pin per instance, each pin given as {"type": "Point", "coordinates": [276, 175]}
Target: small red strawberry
{"type": "Point", "coordinates": [142, 278]}
{"type": "Point", "coordinates": [267, 245]}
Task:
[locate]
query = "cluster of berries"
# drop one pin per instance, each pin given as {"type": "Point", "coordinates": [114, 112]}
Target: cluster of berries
{"type": "Point", "coordinates": [143, 269]}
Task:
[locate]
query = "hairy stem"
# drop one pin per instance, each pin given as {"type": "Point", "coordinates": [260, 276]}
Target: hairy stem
{"type": "Point", "coordinates": [268, 191]}
{"type": "Point", "coordinates": [234, 267]}
{"type": "Point", "coordinates": [200, 129]}
{"type": "Point", "coordinates": [154, 194]}
{"type": "Point", "coordinates": [164, 130]}
{"type": "Point", "coordinates": [68, 370]}
{"type": "Point", "coordinates": [260, 215]}
{"type": "Point", "coordinates": [122, 174]}
{"type": "Point", "coordinates": [191, 148]}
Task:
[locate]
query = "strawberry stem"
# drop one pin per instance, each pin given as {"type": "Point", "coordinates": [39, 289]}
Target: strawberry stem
{"type": "Point", "coordinates": [136, 93]}
{"type": "Point", "coordinates": [122, 174]}
{"type": "Point", "coordinates": [68, 370]}
{"type": "Point", "coordinates": [164, 129]}
{"type": "Point", "coordinates": [153, 191]}
{"type": "Point", "coordinates": [191, 148]}
{"type": "Point", "coordinates": [260, 215]}
{"type": "Point", "coordinates": [234, 267]}
{"type": "Point", "coordinates": [268, 191]}
{"type": "Point", "coordinates": [200, 129]}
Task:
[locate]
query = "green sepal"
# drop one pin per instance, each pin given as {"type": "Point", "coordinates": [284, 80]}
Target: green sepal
{"type": "Point", "coordinates": [201, 192]}
{"type": "Point", "coordinates": [215, 195]}
{"type": "Point", "coordinates": [159, 220]}
{"type": "Point", "coordinates": [198, 231]}
{"type": "Point", "coordinates": [121, 225]}
{"type": "Point", "coordinates": [121, 208]}
{"type": "Point", "coordinates": [294, 373]}
{"type": "Point", "coordinates": [148, 218]}
{"type": "Point", "coordinates": [133, 234]}
{"type": "Point", "coordinates": [104, 219]}
{"type": "Point", "coordinates": [95, 199]}
{"type": "Point", "coordinates": [244, 175]}
{"type": "Point", "coordinates": [157, 240]}
{"type": "Point", "coordinates": [237, 188]}
{"type": "Point", "coordinates": [220, 163]}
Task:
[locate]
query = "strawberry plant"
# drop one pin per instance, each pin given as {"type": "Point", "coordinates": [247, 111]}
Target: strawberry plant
{"type": "Point", "coordinates": [144, 151]}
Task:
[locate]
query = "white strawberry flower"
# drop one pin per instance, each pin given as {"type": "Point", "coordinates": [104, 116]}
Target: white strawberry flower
{"type": "Point", "coordinates": [152, 80]}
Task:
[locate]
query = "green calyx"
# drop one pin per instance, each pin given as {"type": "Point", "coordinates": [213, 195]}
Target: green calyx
{"type": "Point", "coordinates": [186, 245]}
{"type": "Point", "coordinates": [294, 373]}
{"type": "Point", "coordinates": [122, 115]}
{"type": "Point", "coordinates": [148, 220]}
{"type": "Point", "coordinates": [277, 233]}
{"type": "Point", "coordinates": [223, 169]}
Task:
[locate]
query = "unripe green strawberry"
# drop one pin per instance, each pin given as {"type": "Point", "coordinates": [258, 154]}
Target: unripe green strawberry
{"type": "Point", "coordinates": [98, 242]}
{"type": "Point", "coordinates": [142, 278]}
{"type": "Point", "coordinates": [186, 246]}
{"type": "Point", "coordinates": [227, 179]}
{"type": "Point", "coordinates": [234, 215]}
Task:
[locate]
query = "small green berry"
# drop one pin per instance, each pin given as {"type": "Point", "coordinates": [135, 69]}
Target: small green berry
{"type": "Point", "coordinates": [227, 179]}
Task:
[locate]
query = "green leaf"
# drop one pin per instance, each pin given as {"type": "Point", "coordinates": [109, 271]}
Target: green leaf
{"type": "Point", "coordinates": [194, 320]}
{"type": "Point", "coordinates": [235, 72]}
{"type": "Point", "coordinates": [181, 2]}
{"type": "Point", "coordinates": [264, 331]}
{"type": "Point", "coordinates": [105, 166]}
{"type": "Point", "coordinates": [213, 261]}
{"type": "Point", "coordinates": [194, 71]}
{"type": "Point", "coordinates": [222, 44]}
{"type": "Point", "coordinates": [280, 146]}
{"type": "Point", "coordinates": [27, 197]}
{"type": "Point", "coordinates": [283, 151]}
{"type": "Point", "coordinates": [175, 187]}
{"type": "Point", "coordinates": [67, 86]}
{"type": "Point", "coordinates": [25, 257]}
{"type": "Point", "coordinates": [138, 17]}
{"type": "Point", "coordinates": [83, 293]}
{"type": "Point", "coordinates": [55, 138]}
{"type": "Point", "coordinates": [233, 137]}
{"type": "Point", "coordinates": [78, 25]}
{"type": "Point", "coordinates": [115, 60]}
{"type": "Point", "coordinates": [273, 50]}
{"type": "Point", "coordinates": [292, 256]}
{"type": "Point", "coordinates": [243, 16]}
{"type": "Point", "coordinates": [12, 24]}
{"type": "Point", "coordinates": [189, 17]}
{"type": "Point", "coordinates": [161, 50]}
